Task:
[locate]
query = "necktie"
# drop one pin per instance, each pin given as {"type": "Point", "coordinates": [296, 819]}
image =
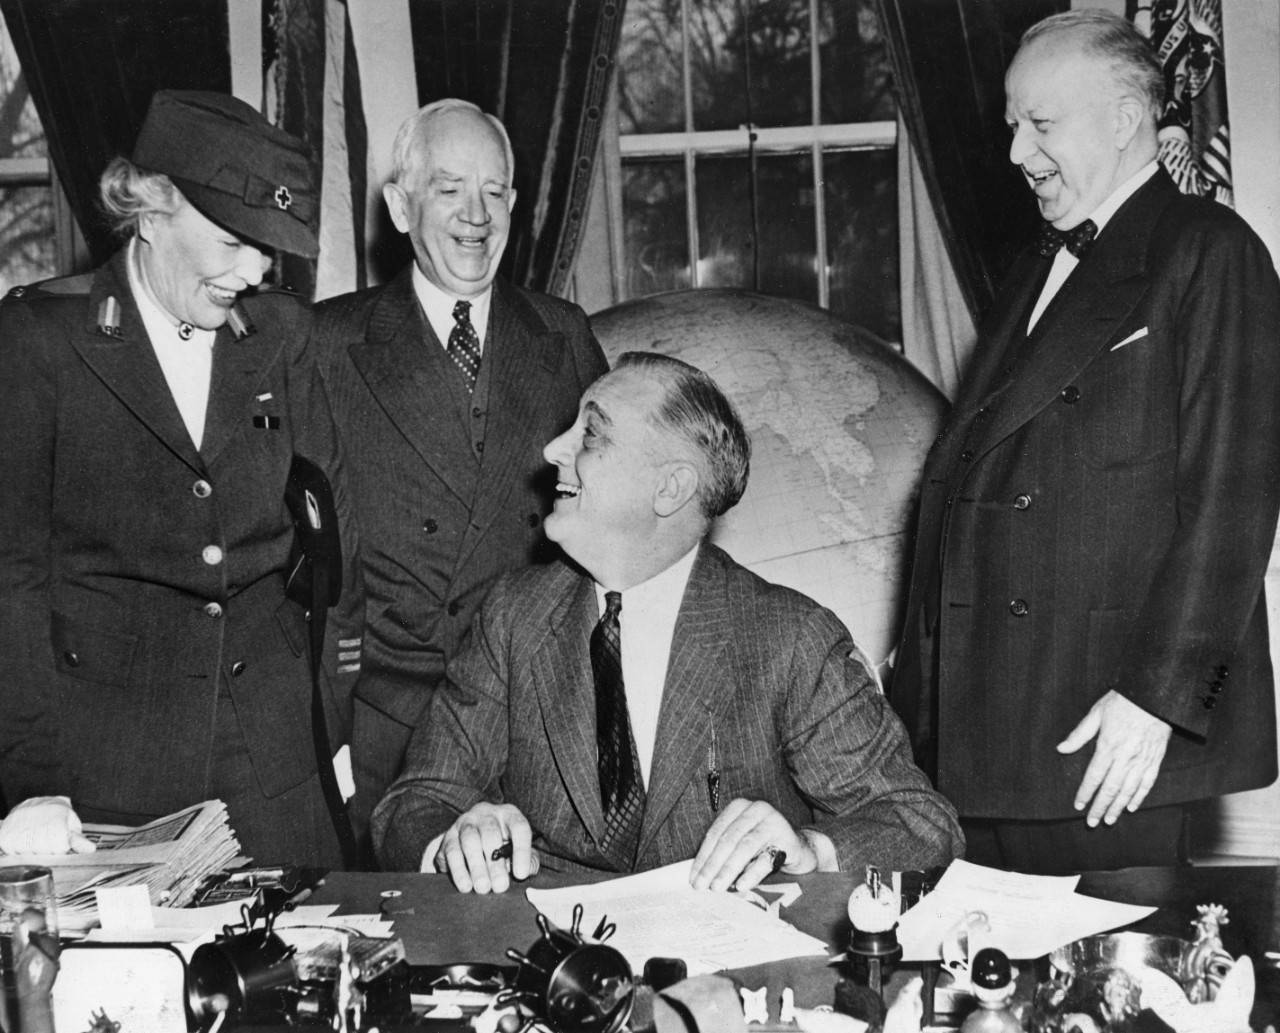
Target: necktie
{"type": "Point", "coordinates": [464, 345]}
{"type": "Point", "coordinates": [621, 790]}
{"type": "Point", "coordinates": [1077, 240]}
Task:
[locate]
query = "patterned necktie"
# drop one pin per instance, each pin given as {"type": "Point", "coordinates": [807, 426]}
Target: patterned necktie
{"type": "Point", "coordinates": [464, 345]}
{"type": "Point", "coordinates": [621, 790]}
{"type": "Point", "coordinates": [1077, 240]}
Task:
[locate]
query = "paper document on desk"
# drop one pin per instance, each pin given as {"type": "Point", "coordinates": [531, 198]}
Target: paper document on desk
{"type": "Point", "coordinates": [171, 856]}
{"type": "Point", "coordinates": [1029, 915]}
{"type": "Point", "coordinates": [658, 914]}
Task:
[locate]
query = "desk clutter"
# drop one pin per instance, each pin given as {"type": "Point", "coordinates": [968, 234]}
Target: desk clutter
{"type": "Point", "coordinates": [276, 962]}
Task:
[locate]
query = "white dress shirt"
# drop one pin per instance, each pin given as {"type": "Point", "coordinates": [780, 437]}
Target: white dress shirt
{"type": "Point", "coordinates": [187, 365]}
{"type": "Point", "coordinates": [438, 307]}
{"type": "Point", "coordinates": [646, 624]}
{"type": "Point", "coordinates": [1064, 262]}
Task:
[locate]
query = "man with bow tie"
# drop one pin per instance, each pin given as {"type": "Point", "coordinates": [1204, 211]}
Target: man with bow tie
{"type": "Point", "coordinates": [445, 383]}
{"type": "Point", "coordinates": [652, 701]}
{"type": "Point", "coordinates": [1085, 649]}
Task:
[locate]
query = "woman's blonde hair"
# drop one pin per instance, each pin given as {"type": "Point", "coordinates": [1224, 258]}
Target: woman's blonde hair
{"type": "Point", "coordinates": [127, 193]}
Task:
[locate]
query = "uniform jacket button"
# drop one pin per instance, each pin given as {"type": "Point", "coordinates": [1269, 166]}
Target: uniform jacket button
{"type": "Point", "coordinates": [1071, 394]}
{"type": "Point", "coordinates": [237, 668]}
{"type": "Point", "coordinates": [202, 489]}
{"type": "Point", "coordinates": [454, 608]}
{"type": "Point", "coordinates": [213, 610]}
{"type": "Point", "coordinates": [72, 658]}
{"type": "Point", "coordinates": [1019, 608]}
{"type": "Point", "coordinates": [1022, 502]}
{"type": "Point", "coordinates": [430, 526]}
{"type": "Point", "coordinates": [211, 554]}
{"type": "Point", "coordinates": [1222, 671]}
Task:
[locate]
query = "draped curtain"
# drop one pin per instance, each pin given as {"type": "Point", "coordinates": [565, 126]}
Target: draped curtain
{"type": "Point", "coordinates": [543, 68]}
{"type": "Point", "coordinates": [949, 59]}
{"type": "Point", "coordinates": [92, 67]}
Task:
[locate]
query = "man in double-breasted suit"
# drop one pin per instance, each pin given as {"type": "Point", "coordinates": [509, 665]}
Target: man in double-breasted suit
{"type": "Point", "coordinates": [1086, 642]}
{"type": "Point", "coordinates": [444, 416]}
{"type": "Point", "coordinates": [653, 700]}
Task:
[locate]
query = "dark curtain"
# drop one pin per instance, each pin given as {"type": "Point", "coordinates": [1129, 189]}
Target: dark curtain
{"type": "Point", "coordinates": [543, 68]}
{"type": "Point", "coordinates": [949, 59]}
{"type": "Point", "coordinates": [92, 66]}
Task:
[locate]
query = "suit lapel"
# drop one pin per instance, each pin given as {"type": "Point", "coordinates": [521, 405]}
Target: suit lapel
{"type": "Point", "coordinates": [1081, 320]}
{"type": "Point", "coordinates": [396, 360]}
{"type": "Point", "coordinates": [561, 670]}
{"type": "Point", "coordinates": [699, 689]}
{"type": "Point", "coordinates": [524, 356]}
{"type": "Point", "coordinates": [126, 363]}
{"type": "Point", "coordinates": [239, 364]}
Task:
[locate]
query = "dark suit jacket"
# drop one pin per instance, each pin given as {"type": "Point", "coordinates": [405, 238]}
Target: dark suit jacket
{"type": "Point", "coordinates": [759, 675]}
{"type": "Point", "coordinates": [438, 525]}
{"type": "Point", "coordinates": [117, 624]}
{"type": "Point", "coordinates": [1098, 514]}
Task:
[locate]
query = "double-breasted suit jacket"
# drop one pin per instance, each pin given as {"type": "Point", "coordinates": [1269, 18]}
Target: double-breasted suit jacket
{"type": "Point", "coordinates": [141, 578]}
{"type": "Point", "coordinates": [760, 687]}
{"type": "Point", "coordinates": [450, 491]}
{"type": "Point", "coordinates": [1098, 515]}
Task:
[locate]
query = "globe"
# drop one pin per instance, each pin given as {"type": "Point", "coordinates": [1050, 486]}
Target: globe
{"type": "Point", "coordinates": [840, 423]}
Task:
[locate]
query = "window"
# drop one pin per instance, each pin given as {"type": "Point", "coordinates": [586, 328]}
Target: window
{"type": "Point", "coordinates": [27, 237]}
{"type": "Point", "coordinates": [757, 142]}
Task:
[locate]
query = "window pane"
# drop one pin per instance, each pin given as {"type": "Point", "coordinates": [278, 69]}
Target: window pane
{"type": "Point", "coordinates": [855, 63]}
{"type": "Point", "coordinates": [862, 238]}
{"type": "Point", "coordinates": [655, 235]}
{"type": "Point", "coordinates": [765, 42]}
{"type": "Point", "coordinates": [26, 209]}
{"type": "Point", "coordinates": [26, 235]}
{"type": "Point", "coordinates": [650, 80]}
{"type": "Point", "coordinates": [784, 207]}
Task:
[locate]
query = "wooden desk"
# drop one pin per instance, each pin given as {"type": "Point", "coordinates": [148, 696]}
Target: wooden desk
{"type": "Point", "coordinates": [438, 925]}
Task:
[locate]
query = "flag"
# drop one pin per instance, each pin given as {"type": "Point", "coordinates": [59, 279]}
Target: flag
{"type": "Point", "coordinates": [1193, 131]}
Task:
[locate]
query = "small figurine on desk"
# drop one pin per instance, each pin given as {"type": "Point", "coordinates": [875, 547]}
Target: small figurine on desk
{"type": "Point", "coordinates": [992, 979]}
{"type": "Point", "coordinates": [873, 947]}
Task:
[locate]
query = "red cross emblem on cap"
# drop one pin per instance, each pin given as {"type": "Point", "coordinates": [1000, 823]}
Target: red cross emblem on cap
{"type": "Point", "coordinates": [283, 198]}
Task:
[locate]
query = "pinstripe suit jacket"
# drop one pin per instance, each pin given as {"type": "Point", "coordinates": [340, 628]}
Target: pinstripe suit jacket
{"type": "Point", "coordinates": [758, 673]}
{"type": "Point", "coordinates": [1098, 514]}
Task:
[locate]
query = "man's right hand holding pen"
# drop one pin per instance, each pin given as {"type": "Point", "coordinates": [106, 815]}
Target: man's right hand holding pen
{"type": "Point", "coordinates": [487, 847]}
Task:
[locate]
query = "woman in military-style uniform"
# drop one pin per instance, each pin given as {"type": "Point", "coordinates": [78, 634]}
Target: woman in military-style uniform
{"type": "Point", "coordinates": [150, 413]}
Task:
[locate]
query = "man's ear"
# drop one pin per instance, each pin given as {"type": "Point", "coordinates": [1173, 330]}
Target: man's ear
{"type": "Point", "coordinates": [1130, 112]}
{"type": "Point", "coordinates": [511, 200]}
{"type": "Point", "coordinates": [677, 487]}
{"type": "Point", "coordinates": [397, 205]}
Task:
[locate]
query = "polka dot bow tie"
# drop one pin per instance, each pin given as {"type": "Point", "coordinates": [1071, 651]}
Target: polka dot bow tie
{"type": "Point", "coordinates": [1077, 240]}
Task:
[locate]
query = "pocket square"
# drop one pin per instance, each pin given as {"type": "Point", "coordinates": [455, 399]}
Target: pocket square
{"type": "Point", "coordinates": [1137, 335]}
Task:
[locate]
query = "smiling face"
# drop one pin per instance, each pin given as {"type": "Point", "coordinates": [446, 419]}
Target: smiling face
{"type": "Point", "coordinates": [456, 202]}
{"type": "Point", "coordinates": [196, 268]}
{"type": "Point", "coordinates": [610, 465]}
{"type": "Point", "coordinates": [1072, 128]}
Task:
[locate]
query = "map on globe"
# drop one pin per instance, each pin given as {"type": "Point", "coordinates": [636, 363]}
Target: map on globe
{"type": "Point", "coordinates": [840, 423]}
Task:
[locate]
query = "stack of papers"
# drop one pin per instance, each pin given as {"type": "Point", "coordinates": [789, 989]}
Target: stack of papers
{"type": "Point", "coordinates": [170, 856]}
{"type": "Point", "coordinates": [658, 914]}
{"type": "Point", "coordinates": [1027, 916]}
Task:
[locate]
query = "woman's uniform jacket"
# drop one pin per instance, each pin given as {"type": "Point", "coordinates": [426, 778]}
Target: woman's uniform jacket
{"type": "Point", "coordinates": [139, 576]}
{"type": "Point", "coordinates": [1098, 514]}
{"type": "Point", "coordinates": [760, 690]}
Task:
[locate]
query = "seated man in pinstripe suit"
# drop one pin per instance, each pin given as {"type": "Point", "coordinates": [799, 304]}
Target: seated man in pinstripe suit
{"type": "Point", "coordinates": [653, 701]}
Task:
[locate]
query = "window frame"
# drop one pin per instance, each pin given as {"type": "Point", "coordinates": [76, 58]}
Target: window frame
{"type": "Point", "coordinates": [688, 145]}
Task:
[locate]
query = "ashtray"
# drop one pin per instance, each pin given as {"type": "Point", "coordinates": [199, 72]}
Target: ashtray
{"type": "Point", "coordinates": [478, 977]}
